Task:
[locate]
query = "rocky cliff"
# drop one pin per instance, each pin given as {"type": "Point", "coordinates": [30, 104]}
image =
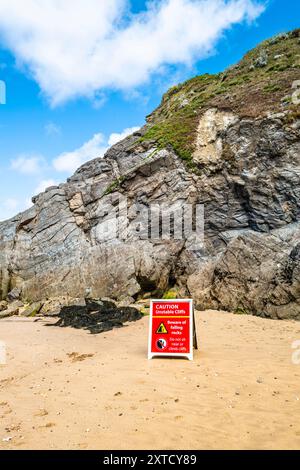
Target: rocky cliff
{"type": "Point", "coordinates": [230, 142]}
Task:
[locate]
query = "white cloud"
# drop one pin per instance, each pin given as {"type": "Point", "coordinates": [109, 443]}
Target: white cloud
{"type": "Point", "coordinates": [96, 147]}
{"type": "Point", "coordinates": [52, 129]}
{"type": "Point", "coordinates": [11, 206]}
{"type": "Point", "coordinates": [44, 184]}
{"type": "Point", "coordinates": [28, 165]}
{"type": "Point", "coordinates": [78, 48]}
{"type": "Point", "coordinates": [67, 163]}
{"type": "Point", "coordinates": [115, 137]}
{"type": "Point", "coordinates": [70, 161]}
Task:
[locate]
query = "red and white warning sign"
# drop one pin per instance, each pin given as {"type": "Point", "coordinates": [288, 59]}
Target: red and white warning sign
{"type": "Point", "coordinates": [171, 328]}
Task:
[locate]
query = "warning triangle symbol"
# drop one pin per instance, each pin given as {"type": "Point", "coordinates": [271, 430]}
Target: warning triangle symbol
{"type": "Point", "coordinates": [162, 329]}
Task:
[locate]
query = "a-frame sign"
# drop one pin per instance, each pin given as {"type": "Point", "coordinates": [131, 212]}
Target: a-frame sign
{"type": "Point", "coordinates": [172, 328]}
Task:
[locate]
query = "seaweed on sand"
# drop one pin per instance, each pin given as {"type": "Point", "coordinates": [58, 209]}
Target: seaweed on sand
{"type": "Point", "coordinates": [97, 316]}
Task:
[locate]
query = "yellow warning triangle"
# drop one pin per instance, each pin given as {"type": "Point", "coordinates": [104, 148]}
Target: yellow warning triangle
{"type": "Point", "coordinates": [162, 329]}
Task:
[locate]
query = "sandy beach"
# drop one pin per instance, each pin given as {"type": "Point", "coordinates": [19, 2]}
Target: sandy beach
{"type": "Point", "coordinates": [67, 389]}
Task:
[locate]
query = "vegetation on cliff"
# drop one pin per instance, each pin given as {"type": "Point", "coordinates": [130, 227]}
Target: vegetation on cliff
{"type": "Point", "coordinates": [261, 82]}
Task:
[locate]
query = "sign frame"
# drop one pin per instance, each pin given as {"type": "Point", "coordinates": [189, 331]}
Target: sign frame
{"type": "Point", "coordinates": [192, 330]}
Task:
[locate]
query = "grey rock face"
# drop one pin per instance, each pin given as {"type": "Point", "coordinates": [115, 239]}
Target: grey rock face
{"type": "Point", "coordinates": [257, 273]}
{"type": "Point", "coordinates": [249, 185]}
{"type": "Point", "coordinates": [57, 247]}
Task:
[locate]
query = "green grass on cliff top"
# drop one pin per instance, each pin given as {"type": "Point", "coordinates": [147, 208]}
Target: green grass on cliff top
{"type": "Point", "coordinates": [261, 82]}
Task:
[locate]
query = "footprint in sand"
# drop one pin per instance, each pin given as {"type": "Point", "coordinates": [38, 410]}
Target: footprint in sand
{"type": "Point", "coordinates": [13, 428]}
{"type": "Point", "coordinates": [41, 413]}
{"type": "Point", "coordinates": [57, 361]}
{"type": "Point", "coordinates": [48, 426]}
{"type": "Point", "coordinates": [5, 408]}
{"type": "Point", "coordinates": [7, 381]}
{"type": "Point", "coordinates": [76, 357]}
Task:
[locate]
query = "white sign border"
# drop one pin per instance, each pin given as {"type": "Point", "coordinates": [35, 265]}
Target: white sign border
{"type": "Point", "coordinates": [189, 356]}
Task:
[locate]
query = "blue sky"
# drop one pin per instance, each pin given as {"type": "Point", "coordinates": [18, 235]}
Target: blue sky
{"type": "Point", "coordinates": [74, 90]}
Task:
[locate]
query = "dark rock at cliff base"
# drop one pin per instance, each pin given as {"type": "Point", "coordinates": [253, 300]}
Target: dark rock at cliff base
{"type": "Point", "coordinates": [97, 316]}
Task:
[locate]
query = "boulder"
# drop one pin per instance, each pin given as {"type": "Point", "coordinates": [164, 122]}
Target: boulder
{"type": "Point", "coordinates": [12, 309]}
{"type": "Point", "coordinates": [32, 310]}
{"type": "Point", "coordinates": [52, 307]}
{"type": "Point", "coordinates": [14, 294]}
{"type": "Point", "coordinates": [3, 305]}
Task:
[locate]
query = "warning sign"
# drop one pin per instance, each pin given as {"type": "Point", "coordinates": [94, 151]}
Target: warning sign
{"type": "Point", "coordinates": [171, 328]}
{"type": "Point", "coordinates": [162, 329]}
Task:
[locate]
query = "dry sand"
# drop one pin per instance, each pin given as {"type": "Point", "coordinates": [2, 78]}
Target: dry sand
{"type": "Point", "coordinates": [66, 389]}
